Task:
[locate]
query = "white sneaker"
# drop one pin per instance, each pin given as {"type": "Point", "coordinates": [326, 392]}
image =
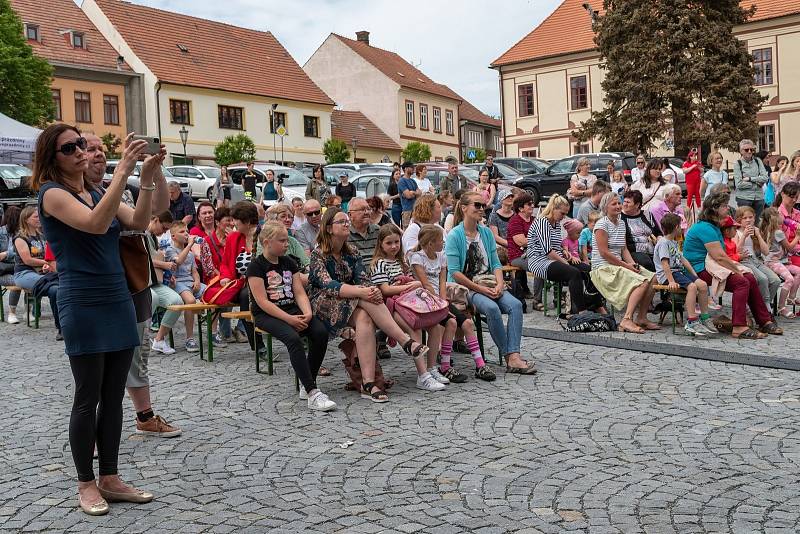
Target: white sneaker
{"type": "Point", "coordinates": [708, 324]}
{"type": "Point", "coordinates": [303, 393]}
{"type": "Point", "coordinates": [428, 383]}
{"type": "Point", "coordinates": [162, 347]}
{"type": "Point", "coordinates": [12, 318]}
{"type": "Point", "coordinates": [695, 329]}
{"type": "Point", "coordinates": [439, 377]}
{"type": "Point", "coordinates": [321, 402]}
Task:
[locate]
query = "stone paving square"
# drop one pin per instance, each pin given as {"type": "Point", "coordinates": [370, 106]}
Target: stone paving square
{"type": "Point", "coordinates": [601, 440]}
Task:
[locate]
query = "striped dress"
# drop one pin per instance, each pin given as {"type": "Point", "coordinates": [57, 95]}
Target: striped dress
{"type": "Point", "coordinates": [543, 237]}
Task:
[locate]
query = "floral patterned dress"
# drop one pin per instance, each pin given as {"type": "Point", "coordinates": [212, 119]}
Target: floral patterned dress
{"type": "Point", "coordinates": [326, 277]}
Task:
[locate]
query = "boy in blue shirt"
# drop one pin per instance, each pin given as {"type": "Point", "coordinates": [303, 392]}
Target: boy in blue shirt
{"type": "Point", "coordinates": [409, 192]}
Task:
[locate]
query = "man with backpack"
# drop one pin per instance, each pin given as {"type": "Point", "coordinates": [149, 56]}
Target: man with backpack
{"type": "Point", "coordinates": [750, 175]}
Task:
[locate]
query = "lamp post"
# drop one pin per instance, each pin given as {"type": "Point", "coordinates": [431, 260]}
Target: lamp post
{"type": "Point", "coordinates": [355, 147]}
{"type": "Point", "coordinates": [272, 124]}
{"type": "Point", "coordinates": [184, 133]}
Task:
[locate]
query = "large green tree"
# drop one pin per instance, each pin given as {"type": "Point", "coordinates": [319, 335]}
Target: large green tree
{"type": "Point", "coordinates": [24, 78]}
{"type": "Point", "coordinates": [235, 149]}
{"type": "Point", "coordinates": [673, 66]}
{"type": "Point", "coordinates": [416, 152]}
{"type": "Point", "coordinates": [335, 151]}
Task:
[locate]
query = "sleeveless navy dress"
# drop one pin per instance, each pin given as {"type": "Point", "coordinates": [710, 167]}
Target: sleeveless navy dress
{"type": "Point", "coordinates": [94, 303]}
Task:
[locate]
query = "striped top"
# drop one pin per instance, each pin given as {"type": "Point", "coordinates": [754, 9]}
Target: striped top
{"type": "Point", "coordinates": [616, 240]}
{"type": "Point", "coordinates": [385, 272]}
{"type": "Point", "coordinates": [543, 236]}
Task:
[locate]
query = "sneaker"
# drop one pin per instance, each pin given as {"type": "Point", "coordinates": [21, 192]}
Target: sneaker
{"type": "Point", "coordinates": [218, 341]}
{"type": "Point", "coordinates": [191, 345]}
{"type": "Point", "coordinates": [155, 326]}
{"type": "Point", "coordinates": [240, 336]}
{"type": "Point", "coordinates": [460, 347]}
{"type": "Point", "coordinates": [439, 377]}
{"type": "Point", "coordinates": [303, 393]}
{"type": "Point", "coordinates": [428, 383]}
{"type": "Point", "coordinates": [157, 426]}
{"type": "Point", "coordinates": [454, 376]}
{"type": "Point", "coordinates": [59, 336]}
{"type": "Point", "coordinates": [321, 403]}
{"type": "Point", "coordinates": [714, 306]}
{"type": "Point", "coordinates": [484, 373]}
{"type": "Point", "coordinates": [12, 318]}
{"type": "Point", "coordinates": [162, 347]}
{"type": "Point", "coordinates": [229, 339]}
{"type": "Point", "coordinates": [695, 328]}
{"type": "Point", "coordinates": [708, 324]}
{"type": "Point", "coordinates": [383, 352]}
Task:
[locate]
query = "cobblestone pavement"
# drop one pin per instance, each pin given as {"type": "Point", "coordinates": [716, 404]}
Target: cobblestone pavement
{"type": "Point", "coordinates": [599, 441]}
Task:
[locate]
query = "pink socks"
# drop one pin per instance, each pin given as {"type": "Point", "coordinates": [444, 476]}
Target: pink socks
{"type": "Point", "coordinates": [446, 351]}
{"type": "Point", "coordinates": [475, 349]}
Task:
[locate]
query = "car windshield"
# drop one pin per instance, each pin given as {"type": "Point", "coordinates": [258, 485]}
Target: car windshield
{"type": "Point", "coordinates": [563, 166]}
{"type": "Point", "coordinates": [12, 175]}
{"type": "Point", "coordinates": [529, 165]}
{"type": "Point", "coordinates": [211, 172]}
{"type": "Point", "coordinates": [506, 171]}
{"type": "Point", "coordinates": [470, 174]}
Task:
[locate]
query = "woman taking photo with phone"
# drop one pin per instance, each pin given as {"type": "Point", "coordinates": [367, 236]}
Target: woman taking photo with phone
{"type": "Point", "coordinates": [97, 316]}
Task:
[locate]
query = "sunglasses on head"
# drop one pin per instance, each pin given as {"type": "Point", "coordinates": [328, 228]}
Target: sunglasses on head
{"type": "Point", "coordinates": [313, 213]}
{"type": "Point", "coordinates": [69, 148]}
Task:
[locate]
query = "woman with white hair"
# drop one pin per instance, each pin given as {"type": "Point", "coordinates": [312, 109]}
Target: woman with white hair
{"type": "Point", "coordinates": [580, 185]}
{"type": "Point", "coordinates": [622, 282]}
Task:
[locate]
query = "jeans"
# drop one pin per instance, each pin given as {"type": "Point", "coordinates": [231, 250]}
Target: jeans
{"type": "Point", "coordinates": [306, 368]}
{"type": "Point", "coordinates": [28, 279]}
{"type": "Point", "coordinates": [508, 337]}
{"type": "Point", "coordinates": [13, 296]}
{"type": "Point", "coordinates": [97, 410]}
{"type": "Point", "coordinates": [757, 205]}
{"type": "Point", "coordinates": [164, 296]}
{"type": "Point", "coordinates": [397, 212]}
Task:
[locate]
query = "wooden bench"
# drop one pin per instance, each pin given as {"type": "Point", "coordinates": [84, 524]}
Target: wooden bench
{"type": "Point", "coordinates": [3, 291]}
{"type": "Point", "coordinates": [204, 311]}
{"type": "Point", "coordinates": [673, 293]}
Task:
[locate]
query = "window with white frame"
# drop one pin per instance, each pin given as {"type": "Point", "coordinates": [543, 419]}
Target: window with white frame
{"type": "Point", "coordinates": [498, 145]}
{"type": "Point", "coordinates": [475, 139]}
{"type": "Point", "coordinates": [448, 121]}
{"type": "Point", "coordinates": [423, 116]}
{"type": "Point", "coordinates": [766, 137]}
{"type": "Point", "coordinates": [437, 120]}
{"type": "Point", "coordinates": [409, 113]}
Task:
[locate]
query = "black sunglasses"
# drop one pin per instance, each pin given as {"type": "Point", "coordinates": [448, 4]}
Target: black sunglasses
{"type": "Point", "coordinates": [748, 150]}
{"type": "Point", "coordinates": [69, 148]}
{"type": "Point", "coordinates": [313, 213]}
{"type": "Point", "coordinates": [479, 205]}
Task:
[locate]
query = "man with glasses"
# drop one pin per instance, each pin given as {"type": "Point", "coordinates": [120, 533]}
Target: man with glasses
{"type": "Point", "coordinates": [307, 234]}
{"type": "Point", "coordinates": [638, 171]}
{"type": "Point", "coordinates": [749, 176]}
{"type": "Point", "coordinates": [363, 234]}
{"type": "Point", "coordinates": [494, 173]}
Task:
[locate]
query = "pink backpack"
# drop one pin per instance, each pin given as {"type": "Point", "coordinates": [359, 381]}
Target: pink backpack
{"type": "Point", "coordinates": [420, 308]}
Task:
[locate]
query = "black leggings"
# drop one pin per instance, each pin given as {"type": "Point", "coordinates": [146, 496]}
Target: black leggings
{"type": "Point", "coordinates": [244, 305]}
{"type": "Point", "coordinates": [306, 368]}
{"type": "Point", "coordinates": [573, 276]}
{"type": "Point", "coordinates": [97, 410]}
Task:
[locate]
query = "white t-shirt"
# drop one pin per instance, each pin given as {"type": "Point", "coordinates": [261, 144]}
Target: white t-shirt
{"type": "Point", "coordinates": [410, 237]}
{"type": "Point", "coordinates": [669, 176]}
{"type": "Point", "coordinates": [636, 174]}
{"type": "Point", "coordinates": [616, 240]}
{"type": "Point", "coordinates": [424, 184]}
{"type": "Point", "coordinates": [432, 267]}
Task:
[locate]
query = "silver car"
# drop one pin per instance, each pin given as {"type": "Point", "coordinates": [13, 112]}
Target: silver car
{"type": "Point", "coordinates": [293, 182]}
{"type": "Point", "coordinates": [133, 179]}
{"type": "Point", "coordinates": [201, 179]}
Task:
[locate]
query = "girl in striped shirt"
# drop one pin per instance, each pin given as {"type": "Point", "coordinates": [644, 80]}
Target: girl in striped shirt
{"type": "Point", "coordinates": [391, 274]}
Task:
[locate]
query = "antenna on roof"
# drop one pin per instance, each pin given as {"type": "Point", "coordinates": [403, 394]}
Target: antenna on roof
{"type": "Point", "coordinates": [183, 48]}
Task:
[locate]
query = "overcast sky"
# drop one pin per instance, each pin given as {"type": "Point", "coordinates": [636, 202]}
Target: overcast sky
{"type": "Point", "coordinates": [453, 42]}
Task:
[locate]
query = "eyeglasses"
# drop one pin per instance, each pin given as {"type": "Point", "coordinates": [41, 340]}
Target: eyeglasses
{"type": "Point", "coordinates": [344, 222]}
{"type": "Point", "coordinates": [748, 149]}
{"type": "Point", "coordinates": [313, 213]}
{"type": "Point", "coordinates": [368, 210]}
{"type": "Point", "coordinates": [640, 162]}
{"type": "Point", "coordinates": [69, 148]}
{"type": "Point", "coordinates": [479, 205]}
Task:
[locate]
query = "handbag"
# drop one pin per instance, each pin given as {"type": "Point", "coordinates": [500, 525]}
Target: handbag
{"type": "Point", "coordinates": [219, 294]}
{"type": "Point", "coordinates": [136, 261]}
{"type": "Point", "coordinates": [457, 295]}
{"type": "Point", "coordinates": [421, 309]}
{"type": "Point", "coordinates": [485, 280]}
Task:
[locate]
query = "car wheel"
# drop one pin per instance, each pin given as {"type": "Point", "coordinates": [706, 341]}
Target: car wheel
{"type": "Point", "coordinates": [535, 196]}
{"type": "Point", "coordinates": [209, 193]}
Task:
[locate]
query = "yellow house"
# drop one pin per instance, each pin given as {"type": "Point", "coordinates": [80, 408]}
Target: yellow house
{"type": "Point", "coordinates": [550, 80]}
{"type": "Point", "coordinates": [397, 97]}
{"type": "Point", "coordinates": [205, 80]}
{"type": "Point", "coordinates": [93, 88]}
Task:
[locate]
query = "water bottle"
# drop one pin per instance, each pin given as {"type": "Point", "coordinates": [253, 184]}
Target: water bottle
{"type": "Point", "coordinates": [167, 277]}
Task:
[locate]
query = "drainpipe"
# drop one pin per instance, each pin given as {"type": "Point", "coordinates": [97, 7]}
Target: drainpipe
{"type": "Point", "coordinates": [158, 108]}
{"type": "Point", "coordinates": [502, 113]}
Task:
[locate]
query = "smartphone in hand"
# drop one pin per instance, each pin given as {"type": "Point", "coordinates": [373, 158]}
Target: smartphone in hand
{"type": "Point", "coordinates": [153, 143]}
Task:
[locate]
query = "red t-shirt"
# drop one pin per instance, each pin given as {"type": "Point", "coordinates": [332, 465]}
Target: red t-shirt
{"type": "Point", "coordinates": [516, 225]}
{"type": "Point", "coordinates": [731, 250]}
{"type": "Point", "coordinates": [692, 176]}
{"type": "Point", "coordinates": [48, 253]}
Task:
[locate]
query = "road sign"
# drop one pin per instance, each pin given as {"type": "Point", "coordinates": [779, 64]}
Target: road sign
{"type": "Point", "coordinates": [471, 154]}
{"type": "Point", "coordinates": [281, 131]}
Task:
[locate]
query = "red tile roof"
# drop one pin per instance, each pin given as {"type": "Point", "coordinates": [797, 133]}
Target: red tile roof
{"type": "Point", "coordinates": [568, 30]}
{"type": "Point", "coordinates": [54, 16]}
{"type": "Point", "coordinates": [345, 125]}
{"type": "Point", "coordinates": [220, 56]}
{"type": "Point", "coordinates": [398, 69]}
{"type": "Point", "coordinates": [468, 112]}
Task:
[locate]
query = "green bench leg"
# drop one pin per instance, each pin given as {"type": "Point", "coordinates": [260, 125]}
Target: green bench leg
{"type": "Point", "coordinates": [269, 354]}
{"type": "Point", "coordinates": [200, 338]}
{"type": "Point", "coordinates": [209, 322]}
{"type": "Point", "coordinates": [171, 339]}
{"type": "Point", "coordinates": [3, 291]}
{"type": "Point", "coordinates": [674, 318]}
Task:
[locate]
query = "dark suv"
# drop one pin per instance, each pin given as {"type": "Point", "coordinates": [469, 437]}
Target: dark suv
{"type": "Point", "coordinates": [524, 165]}
{"type": "Point", "coordinates": [555, 179]}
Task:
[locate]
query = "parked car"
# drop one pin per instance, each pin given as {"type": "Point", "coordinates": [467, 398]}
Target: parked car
{"type": "Point", "coordinates": [15, 185]}
{"type": "Point", "coordinates": [201, 178]}
{"type": "Point", "coordinates": [293, 182]}
{"type": "Point", "coordinates": [133, 179]}
{"type": "Point", "coordinates": [371, 182]}
{"type": "Point", "coordinates": [508, 174]}
{"type": "Point", "coordinates": [524, 165]}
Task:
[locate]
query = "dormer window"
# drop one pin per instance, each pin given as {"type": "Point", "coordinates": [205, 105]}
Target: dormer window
{"type": "Point", "coordinates": [32, 32]}
{"type": "Point", "coordinates": [78, 40]}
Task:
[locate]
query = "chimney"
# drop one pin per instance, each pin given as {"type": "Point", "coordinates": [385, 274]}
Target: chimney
{"type": "Point", "coordinates": [363, 37]}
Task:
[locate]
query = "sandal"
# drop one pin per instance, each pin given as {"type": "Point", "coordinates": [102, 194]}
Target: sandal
{"type": "Point", "coordinates": [378, 396]}
{"type": "Point", "coordinates": [324, 371]}
{"type": "Point", "coordinates": [522, 370]}
{"type": "Point", "coordinates": [637, 330]}
{"type": "Point", "coordinates": [771, 328]}
{"type": "Point", "coordinates": [420, 352]}
{"type": "Point", "coordinates": [785, 313]}
{"type": "Point", "coordinates": [749, 334]}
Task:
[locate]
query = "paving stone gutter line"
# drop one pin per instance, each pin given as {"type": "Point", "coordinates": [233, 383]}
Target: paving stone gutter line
{"type": "Point", "coordinates": [698, 353]}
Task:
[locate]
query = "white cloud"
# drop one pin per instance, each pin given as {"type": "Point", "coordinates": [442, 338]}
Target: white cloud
{"type": "Point", "coordinates": [452, 42]}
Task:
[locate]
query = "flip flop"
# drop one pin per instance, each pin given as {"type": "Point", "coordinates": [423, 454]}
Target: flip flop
{"type": "Point", "coordinates": [749, 334]}
{"type": "Point", "coordinates": [522, 370]}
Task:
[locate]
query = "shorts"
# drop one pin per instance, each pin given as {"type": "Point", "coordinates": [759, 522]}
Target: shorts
{"type": "Point", "coordinates": [459, 315]}
{"type": "Point", "coordinates": [683, 279]}
{"type": "Point", "coordinates": [137, 374]}
{"type": "Point", "coordinates": [180, 287]}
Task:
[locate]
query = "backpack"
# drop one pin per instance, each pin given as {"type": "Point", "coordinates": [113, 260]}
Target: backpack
{"type": "Point", "coordinates": [590, 322]}
{"type": "Point", "coordinates": [421, 309]}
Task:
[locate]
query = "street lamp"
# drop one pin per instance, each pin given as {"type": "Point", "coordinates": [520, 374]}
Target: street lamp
{"type": "Point", "coordinates": [272, 123]}
{"type": "Point", "coordinates": [355, 147]}
{"type": "Point", "coordinates": [184, 133]}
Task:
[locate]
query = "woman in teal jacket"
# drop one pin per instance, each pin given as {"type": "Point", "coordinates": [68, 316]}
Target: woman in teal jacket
{"type": "Point", "coordinates": [472, 262]}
